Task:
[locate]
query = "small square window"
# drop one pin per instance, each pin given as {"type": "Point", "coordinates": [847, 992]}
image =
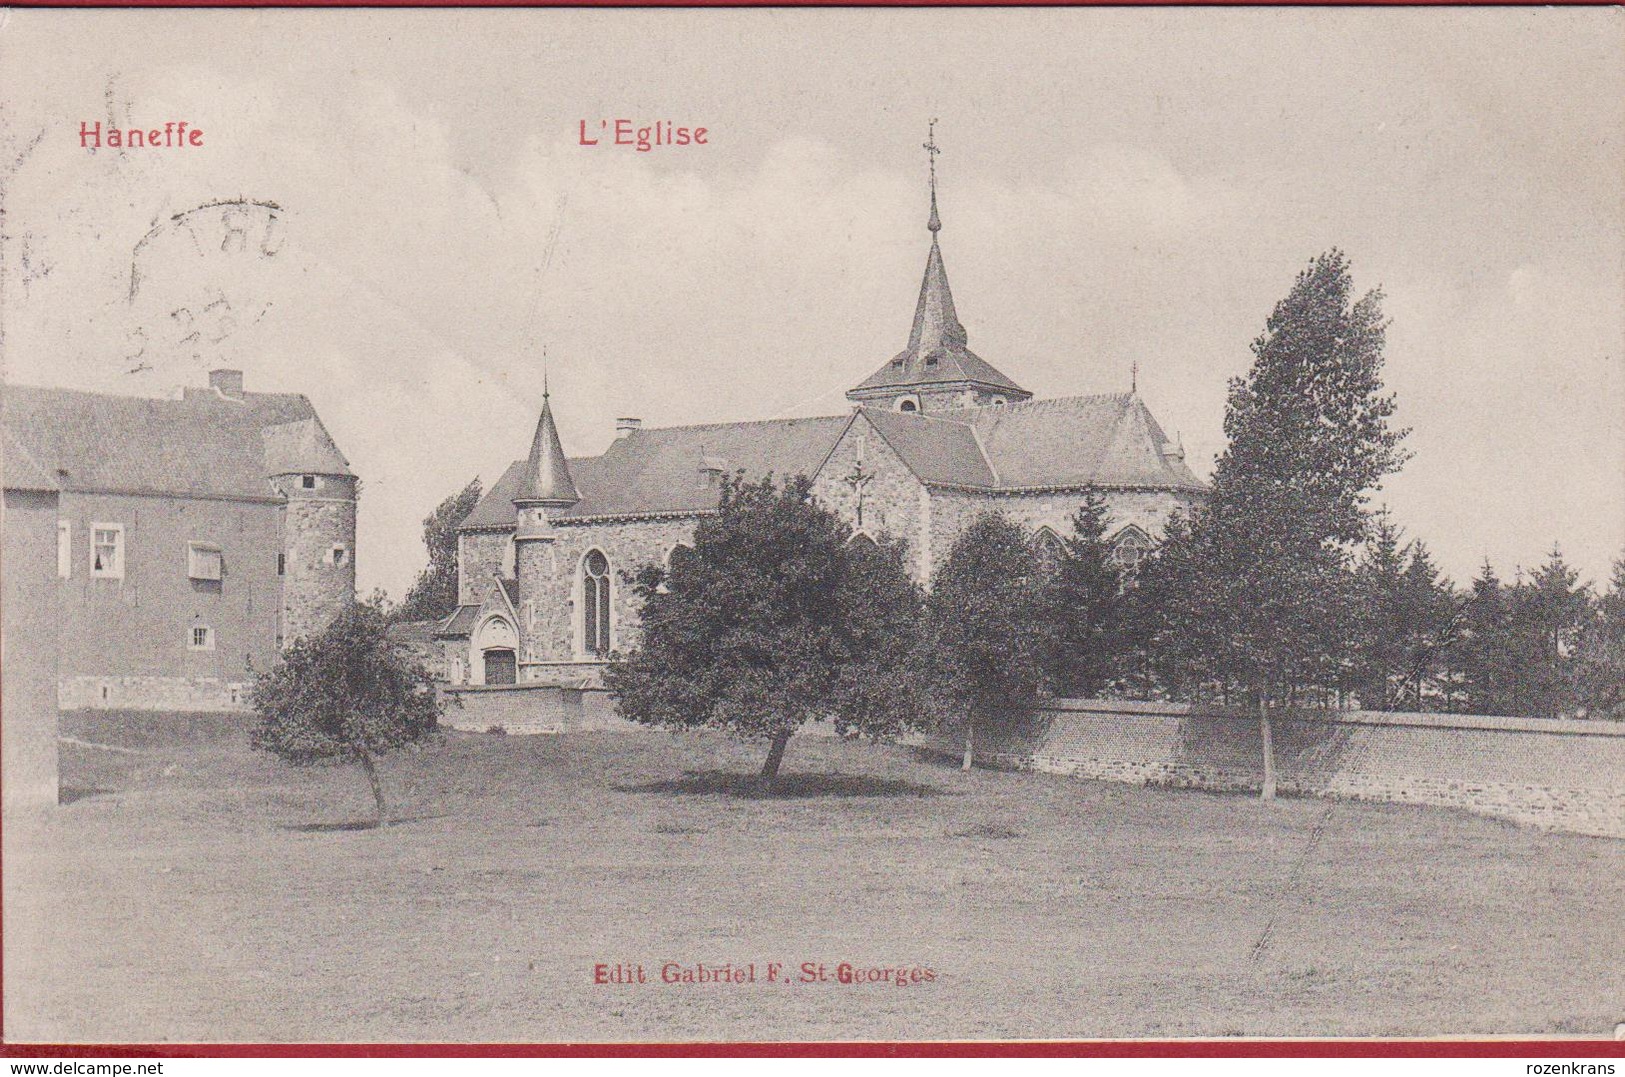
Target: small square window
{"type": "Point", "coordinates": [204, 561]}
{"type": "Point", "coordinates": [340, 555]}
{"type": "Point", "coordinates": [202, 638]}
{"type": "Point", "coordinates": [308, 482]}
{"type": "Point", "coordinates": [107, 551]}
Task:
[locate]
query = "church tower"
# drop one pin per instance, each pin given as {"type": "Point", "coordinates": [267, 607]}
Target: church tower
{"type": "Point", "coordinates": [937, 370]}
{"type": "Point", "coordinates": [544, 484]}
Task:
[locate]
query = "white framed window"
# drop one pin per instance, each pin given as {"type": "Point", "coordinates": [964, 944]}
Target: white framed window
{"type": "Point", "coordinates": [200, 638]}
{"type": "Point", "coordinates": [64, 549]}
{"type": "Point", "coordinates": [595, 596]}
{"type": "Point", "coordinates": [204, 561]}
{"type": "Point", "coordinates": [107, 551]}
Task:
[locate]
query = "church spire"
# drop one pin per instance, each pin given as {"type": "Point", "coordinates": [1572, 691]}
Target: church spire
{"type": "Point", "coordinates": [545, 479]}
{"type": "Point", "coordinates": [937, 363]}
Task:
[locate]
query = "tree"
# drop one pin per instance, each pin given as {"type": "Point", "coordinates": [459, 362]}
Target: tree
{"type": "Point", "coordinates": [344, 695]}
{"type": "Point", "coordinates": [1087, 606]}
{"type": "Point", "coordinates": [775, 618]}
{"type": "Point", "coordinates": [989, 638]}
{"type": "Point", "coordinates": [1409, 619]}
{"type": "Point", "coordinates": [1383, 647]}
{"type": "Point", "coordinates": [433, 596]}
{"type": "Point", "coordinates": [1550, 612]}
{"type": "Point", "coordinates": [1602, 652]}
{"type": "Point", "coordinates": [1269, 593]}
{"type": "Point", "coordinates": [1487, 658]}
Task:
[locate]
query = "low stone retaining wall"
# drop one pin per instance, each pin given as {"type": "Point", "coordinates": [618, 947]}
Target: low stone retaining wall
{"type": "Point", "coordinates": [528, 708]}
{"type": "Point", "coordinates": [138, 693]}
{"type": "Point", "coordinates": [1559, 775]}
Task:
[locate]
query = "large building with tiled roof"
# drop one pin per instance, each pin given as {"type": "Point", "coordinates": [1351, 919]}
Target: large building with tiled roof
{"type": "Point", "coordinates": [192, 539]}
{"type": "Point", "coordinates": [936, 437]}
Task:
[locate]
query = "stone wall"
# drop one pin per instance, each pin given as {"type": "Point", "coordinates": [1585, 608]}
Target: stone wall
{"type": "Point", "coordinates": [1559, 775]}
{"type": "Point", "coordinates": [892, 502]}
{"type": "Point", "coordinates": [28, 642]}
{"type": "Point", "coordinates": [315, 588]}
{"type": "Point", "coordinates": [528, 708]}
{"type": "Point", "coordinates": [953, 510]}
{"type": "Point", "coordinates": [150, 693]}
{"type": "Point", "coordinates": [481, 555]}
{"type": "Point", "coordinates": [141, 623]}
{"type": "Point", "coordinates": [550, 618]}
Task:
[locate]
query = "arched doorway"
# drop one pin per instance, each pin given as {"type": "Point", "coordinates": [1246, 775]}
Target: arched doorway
{"type": "Point", "coordinates": [495, 652]}
{"type": "Point", "coordinates": [501, 666]}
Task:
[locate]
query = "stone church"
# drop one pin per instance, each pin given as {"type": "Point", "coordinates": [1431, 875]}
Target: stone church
{"type": "Point", "coordinates": [936, 437]}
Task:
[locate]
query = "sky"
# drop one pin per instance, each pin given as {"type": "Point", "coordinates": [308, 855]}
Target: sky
{"type": "Point", "coordinates": [1118, 188]}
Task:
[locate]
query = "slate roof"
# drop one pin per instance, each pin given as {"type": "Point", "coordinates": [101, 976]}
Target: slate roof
{"type": "Point", "coordinates": [1108, 440]}
{"type": "Point", "coordinates": [545, 478]}
{"type": "Point", "coordinates": [460, 623]}
{"type": "Point", "coordinates": [205, 445]}
{"type": "Point", "coordinates": [937, 351]}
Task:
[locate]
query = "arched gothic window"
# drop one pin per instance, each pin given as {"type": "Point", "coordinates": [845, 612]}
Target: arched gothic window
{"type": "Point", "coordinates": [1131, 547]}
{"type": "Point", "coordinates": [863, 540]}
{"type": "Point", "coordinates": [595, 590]}
{"type": "Point", "coordinates": [678, 556]}
{"type": "Point", "coordinates": [1048, 550]}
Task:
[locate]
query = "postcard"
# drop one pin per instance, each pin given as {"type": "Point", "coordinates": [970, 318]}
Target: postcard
{"type": "Point", "coordinates": [812, 525]}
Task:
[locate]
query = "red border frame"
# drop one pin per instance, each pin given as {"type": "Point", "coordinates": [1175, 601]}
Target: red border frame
{"type": "Point", "coordinates": [1464, 1048]}
{"type": "Point", "coordinates": [227, 4]}
{"type": "Point", "coordinates": [1228, 1048]}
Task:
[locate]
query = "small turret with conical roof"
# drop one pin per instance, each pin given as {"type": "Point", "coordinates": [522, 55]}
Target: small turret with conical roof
{"type": "Point", "coordinates": [545, 482]}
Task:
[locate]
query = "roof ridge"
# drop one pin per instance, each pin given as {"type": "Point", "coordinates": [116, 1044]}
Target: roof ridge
{"type": "Point", "coordinates": [742, 422]}
{"type": "Point", "coordinates": [1032, 404]}
{"type": "Point", "coordinates": [910, 416]}
{"type": "Point", "coordinates": [198, 393]}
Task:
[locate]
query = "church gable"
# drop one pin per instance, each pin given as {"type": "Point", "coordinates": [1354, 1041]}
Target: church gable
{"type": "Point", "coordinates": [868, 484]}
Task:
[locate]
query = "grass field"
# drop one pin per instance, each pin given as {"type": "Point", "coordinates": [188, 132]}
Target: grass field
{"type": "Point", "coordinates": [205, 893]}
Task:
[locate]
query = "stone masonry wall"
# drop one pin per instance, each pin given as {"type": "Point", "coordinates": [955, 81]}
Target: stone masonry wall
{"type": "Point", "coordinates": [528, 708]}
{"type": "Point", "coordinates": [149, 693]}
{"type": "Point", "coordinates": [315, 589]}
{"type": "Point", "coordinates": [480, 555]}
{"type": "Point", "coordinates": [952, 511]}
{"type": "Point", "coordinates": [892, 504]}
{"type": "Point", "coordinates": [549, 615]}
{"type": "Point", "coordinates": [1559, 775]}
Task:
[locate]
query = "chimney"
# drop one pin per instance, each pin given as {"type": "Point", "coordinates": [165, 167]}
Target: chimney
{"type": "Point", "coordinates": [625, 426]}
{"type": "Point", "coordinates": [227, 383]}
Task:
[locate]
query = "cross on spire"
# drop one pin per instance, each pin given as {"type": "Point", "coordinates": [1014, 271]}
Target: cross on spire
{"type": "Point", "coordinates": [931, 151]}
